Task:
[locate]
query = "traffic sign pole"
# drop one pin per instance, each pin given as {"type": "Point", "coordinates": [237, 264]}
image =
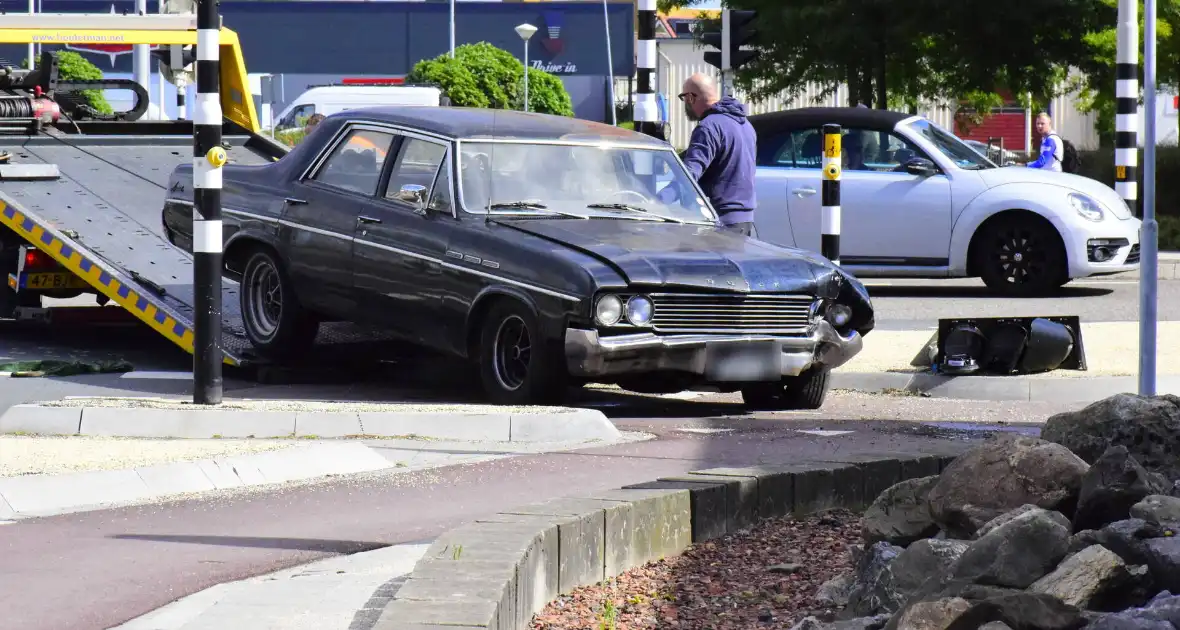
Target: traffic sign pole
{"type": "Point", "coordinates": [1148, 267]}
{"type": "Point", "coordinates": [208, 158]}
{"type": "Point", "coordinates": [726, 58]}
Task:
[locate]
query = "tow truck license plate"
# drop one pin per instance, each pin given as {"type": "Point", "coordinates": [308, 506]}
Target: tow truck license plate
{"type": "Point", "coordinates": [56, 280]}
{"type": "Point", "coordinates": [743, 362]}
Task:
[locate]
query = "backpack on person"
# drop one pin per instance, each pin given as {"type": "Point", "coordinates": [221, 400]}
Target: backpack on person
{"type": "Point", "coordinates": [1070, 162]}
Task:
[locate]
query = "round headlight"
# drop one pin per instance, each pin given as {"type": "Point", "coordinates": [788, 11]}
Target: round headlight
{"type": "Point", "coordinates": [640, 310]}
{"type": "Point", "coordinates": [609, 310]}
{"type": "Point", "coordinates": [1085, 206]}
{"type": "Point", "coordinates": [838, 315]}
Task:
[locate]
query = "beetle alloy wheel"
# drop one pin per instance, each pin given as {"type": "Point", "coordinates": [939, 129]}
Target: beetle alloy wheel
{"type": "Point", "coordinates": [511, 353]}
{"type": "Point", "coordinates": [1021, 256]}
{"type": "Point", "coordinates": [265, 293]}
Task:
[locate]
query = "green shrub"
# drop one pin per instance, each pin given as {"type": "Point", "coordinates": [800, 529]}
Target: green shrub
{"type": "Point", "coordinates": [72, 66]}
{"type": "Point", "coordinates": [481, 75]}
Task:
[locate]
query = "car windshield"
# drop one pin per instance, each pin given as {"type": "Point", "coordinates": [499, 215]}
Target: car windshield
{"type": "Point", "coordinates": [958, 151]}
{"type": "Point", "coordinates": [582, 181]}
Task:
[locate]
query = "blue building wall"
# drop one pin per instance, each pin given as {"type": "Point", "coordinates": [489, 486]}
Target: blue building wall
{"type": "Point", "coordinates": [309, 40]}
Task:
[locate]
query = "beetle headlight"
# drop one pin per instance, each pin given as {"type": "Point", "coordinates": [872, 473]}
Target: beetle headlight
{"type": "Point", "coordinates": [640, 310]}
{"type": "Point", "coordinates": [609, 310]}
{"type": "Point", "coordinates": [1086, 207]}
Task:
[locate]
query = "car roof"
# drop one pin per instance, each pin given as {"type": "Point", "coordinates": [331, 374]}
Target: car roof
{"type": "Point", "coordinates": [814, 117]}
{"type": "Point", "coordinates": [471, 123]}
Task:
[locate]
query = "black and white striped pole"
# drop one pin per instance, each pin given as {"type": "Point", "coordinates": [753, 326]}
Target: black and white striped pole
{"type": "Point", "coordinates": [830, 195]}
{"type": "Point", "coordinates": [647, 119]}
{"type": "Point", "coordinates": [208, 158]}
{"type": "Point", "coordinates": [1126, 70]}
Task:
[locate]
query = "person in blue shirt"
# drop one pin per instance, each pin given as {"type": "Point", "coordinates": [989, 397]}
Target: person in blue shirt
{"type": "Point", "coordinates": [1052, 149]}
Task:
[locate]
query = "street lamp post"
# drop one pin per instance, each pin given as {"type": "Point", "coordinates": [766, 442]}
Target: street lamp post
{"type": "Point", "coordinates": [452, 29]}
{"type": "Point", "coordinates": [526, 31]}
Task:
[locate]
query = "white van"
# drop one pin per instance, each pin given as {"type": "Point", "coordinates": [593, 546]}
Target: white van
{"type": "Point", "coordinates": [329, 99]}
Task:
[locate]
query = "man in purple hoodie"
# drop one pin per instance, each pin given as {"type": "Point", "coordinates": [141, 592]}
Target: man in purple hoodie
{"type": "Point", "coordinates": [721, 152]}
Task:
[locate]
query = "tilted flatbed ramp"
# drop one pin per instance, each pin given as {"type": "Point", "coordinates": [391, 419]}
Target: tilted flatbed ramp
{"type": "Point", "coordinates": [101, 219]}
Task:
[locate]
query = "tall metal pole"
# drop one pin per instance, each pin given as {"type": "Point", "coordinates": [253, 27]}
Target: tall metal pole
{"type": "Point", "coordinates": [208, 158]}
{"type": "Point", "coordinates": [140, 57]}
{"type": "Point", "coordinates": [610, 67]}
{"type": "Point", "coordinates": [1126, 125]}
{"type": "Point", "coordinates": [452, 28]}
{"type": "Point", "coordinates": [647, 114]}
{"type": "Point", "coordinates": [726, 62]}
{"type": "Point", "coordinates": [1148, 242]}
{"type": "Point", "coordinates": [32, 47]}
{"type": "Point", "coordinates": [526, 75]}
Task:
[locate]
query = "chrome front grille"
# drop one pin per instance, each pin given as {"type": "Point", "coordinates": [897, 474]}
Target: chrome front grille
{"type": "Point", "coordinates": [731, 313]}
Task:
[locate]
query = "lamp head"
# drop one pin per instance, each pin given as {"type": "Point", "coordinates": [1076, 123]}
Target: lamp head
{"type": "Point", "coordinates": [526, 31]}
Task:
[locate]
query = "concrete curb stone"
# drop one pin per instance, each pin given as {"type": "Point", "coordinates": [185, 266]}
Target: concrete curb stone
{"type": "Point", "coordinates": [498, 571]}
{"type": "Point", "coordinates": [567, 424]}
{"type": "Point", "coordinates": [999, 388]}
{"type": "Point", "coordinates": [44, 495]}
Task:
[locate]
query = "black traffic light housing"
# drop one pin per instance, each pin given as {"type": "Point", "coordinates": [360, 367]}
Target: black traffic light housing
{"type": "Point", "coordinates": [188, 56]}
{"type": "Point", "coordinates": [741, 33]}
{"type": "Point", "coordinates": [736, 27]}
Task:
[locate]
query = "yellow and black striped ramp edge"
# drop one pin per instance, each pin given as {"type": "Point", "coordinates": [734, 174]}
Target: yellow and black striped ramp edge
{"type": "Point", "coordinates": [100, 274]}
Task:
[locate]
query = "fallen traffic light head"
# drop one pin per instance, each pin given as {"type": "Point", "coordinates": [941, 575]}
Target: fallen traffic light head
{"type": "Point", "coordinates": [1009, 345]}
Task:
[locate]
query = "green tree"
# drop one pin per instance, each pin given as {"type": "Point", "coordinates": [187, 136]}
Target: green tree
{"type": "Point", "coordinates": [74, 67]}
{"type": "Point", "coordinates": [1097, 86]}
{"type": "Point", "coordinates": [481, 75]}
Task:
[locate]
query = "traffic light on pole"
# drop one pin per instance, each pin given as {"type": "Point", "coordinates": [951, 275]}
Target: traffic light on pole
{"type": "Point", "coordinates": [741, 33]}
{"type": "Point", "coordinates": [712, 39]}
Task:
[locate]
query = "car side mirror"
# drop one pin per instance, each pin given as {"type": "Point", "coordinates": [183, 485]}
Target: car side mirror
{"type": "Point", "coordinates": [413, 194]}
{"type": "Point", "coordinates": [920, 166]}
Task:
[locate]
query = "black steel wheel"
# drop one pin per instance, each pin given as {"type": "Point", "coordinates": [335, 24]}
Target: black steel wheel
{"type": "Point", "coordinates": [805, 391]}
{"type": "Point", "coordinates": [1021, 256]}
{"type": "Point", "coordinates": [517, 365]}
{"type": "Point", "coordinates": [276, 324]}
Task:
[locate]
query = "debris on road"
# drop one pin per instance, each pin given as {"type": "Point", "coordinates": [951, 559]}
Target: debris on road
{"type": "Point", "coordinates": [45, 455]}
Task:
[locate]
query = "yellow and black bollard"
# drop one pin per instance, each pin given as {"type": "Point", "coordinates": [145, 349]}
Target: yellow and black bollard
{"type": "Point", "coordinates": [830, 195]}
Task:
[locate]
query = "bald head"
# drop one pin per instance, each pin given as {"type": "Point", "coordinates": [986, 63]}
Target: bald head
{"type": "Point", "coordinates": [699, 94]}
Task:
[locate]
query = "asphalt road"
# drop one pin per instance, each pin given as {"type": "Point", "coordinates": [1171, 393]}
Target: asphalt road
{"type": "Point", "coordinates": [919, 304]}
{"type": "Point", "coordinates": [93, 570]}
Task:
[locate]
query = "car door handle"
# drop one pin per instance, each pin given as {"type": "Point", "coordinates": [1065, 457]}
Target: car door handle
{"type": "Point", "coordinates": [364, 219]}
{"type": "Point", "coordinates": [295, 202]}
{"type": "Point", "coordinates": [804, 192]}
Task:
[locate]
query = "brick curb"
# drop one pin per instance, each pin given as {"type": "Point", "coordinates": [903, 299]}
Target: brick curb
{"type": "Point", "coordinates": [497, 572]}
{"type": "Point", "coordinates": [561, 424]}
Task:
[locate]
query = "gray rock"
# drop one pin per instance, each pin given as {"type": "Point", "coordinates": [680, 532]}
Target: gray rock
{"type": "Point", "coordinates": [1149, 426]}
{"type": "Point", "coordinates": [1087, 577]}
{"type": "Point", "coordinates": [1161, 613]}
{"type": "Point", "coordinates": [862, 623]}
{"type": "Point", "coordinates": [1157, 508]}
{"type": "Point", "coordinates": [1017, 553]}
{"type": "Point", "coordinates": [932, 615]}
{"type": "Point", "coordinates": [901, 514]}
{"type": "Point", "coordinates": [835, 592]}
{"type": "Point", "coordinates": [1129, 538]}
{"type": "Point", "coordinates": [873, 591]}
{"type": "Point", "coordinates": [1023, 611]}
{"type": "Point", "coordinates": [923, 560]}
{"type": "Point", "coordinates": [1020, 511]}
{"type": "Point", "coordinates": [1000, 475]}
{"type": "Point", "coordinates": [995, 625]}
{"type": "Point", "coordinates": [1083, 539]}
{"type": "Point", "coordinates": [1163, 559]}
{"type": "Point", "coordinates": [1114, 483]}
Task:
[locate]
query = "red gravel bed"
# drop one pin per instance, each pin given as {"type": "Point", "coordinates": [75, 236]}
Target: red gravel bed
{"type": "Point", "coordinates": [722, 584]}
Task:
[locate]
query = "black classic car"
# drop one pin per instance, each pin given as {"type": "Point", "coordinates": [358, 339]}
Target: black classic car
{"type": "Point", "coordinates": [550, 251]}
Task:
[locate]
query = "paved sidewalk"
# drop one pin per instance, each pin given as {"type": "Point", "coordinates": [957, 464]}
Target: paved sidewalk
{"type": "Point", "coordinates": [341, 593]}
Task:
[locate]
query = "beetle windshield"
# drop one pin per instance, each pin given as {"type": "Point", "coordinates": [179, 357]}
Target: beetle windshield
{"type": "Point", "coordinates": [953, 148]}
{"type": "Point", "coordinates": [563, 180]}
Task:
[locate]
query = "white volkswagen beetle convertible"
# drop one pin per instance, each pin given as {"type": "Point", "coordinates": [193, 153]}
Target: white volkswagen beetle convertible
{"type": "Point", "coordinates": [918, 202]}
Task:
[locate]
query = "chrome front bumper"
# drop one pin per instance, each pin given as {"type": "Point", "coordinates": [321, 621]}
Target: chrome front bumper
{"type": "Point", "coordinates": [589, 355]}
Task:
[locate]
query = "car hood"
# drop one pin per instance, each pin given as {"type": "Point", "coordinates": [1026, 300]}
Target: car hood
{"type": "Point", "coordinates": [1104, 194]}
{"type": "Point", "coordinates": [684, 255]}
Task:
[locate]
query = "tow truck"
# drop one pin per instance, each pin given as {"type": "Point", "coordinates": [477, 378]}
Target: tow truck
{"type": "Point", "coordinates": [81, 191]}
